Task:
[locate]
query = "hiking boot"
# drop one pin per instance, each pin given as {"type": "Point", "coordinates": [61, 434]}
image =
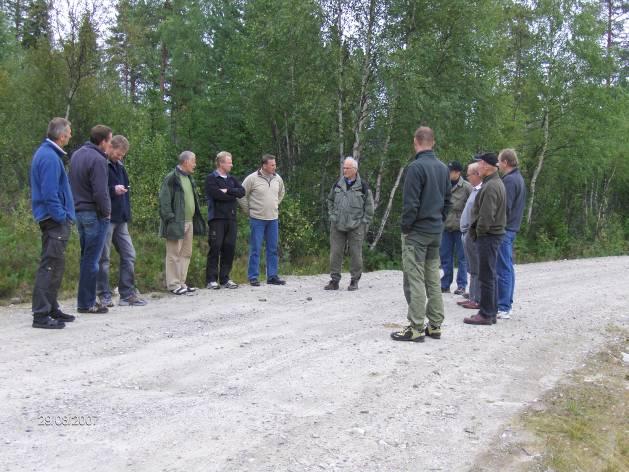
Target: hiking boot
{"type": "Point", "coordinates": [408, 334]}
{"type": "Point", "coordinates": [213, 286]}
{"type": "Point", "coordinates": [61, 316]}
{"type": "Point", "coordinates": [230, 284]}
{"type": "Point", "coordinates": [47, 322]}
{"type": "Point", "coordinates": [504, 315]}
{"type": "Point", "coordinates": [133, 300]}
{"type": "Point", "coordinates": [479, 319]}
{"type": "Point", "coordinates": [95, 309]}
{"type": "Point", "coordinates": [275, 280]}
{"type": "Point", "coordinates": [459, 291]}
{"type": "Point", "coordinates": [254, 282]}
{"type": "Point", "coordinates": [433, 332]}
{"type": "Point", "coordinates": [332, 285]}
{"type": "Point", "coordinates": [106, 301]}
{"type": "Point", "coordinates": [353, 285]}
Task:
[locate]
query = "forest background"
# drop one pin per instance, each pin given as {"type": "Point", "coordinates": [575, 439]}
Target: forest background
{"type": "Point", "coordinates": [312, 81]}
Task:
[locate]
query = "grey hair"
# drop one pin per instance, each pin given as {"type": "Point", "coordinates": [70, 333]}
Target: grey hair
{"type": "Point", "coordinates": [56, 127]}
{"type": "Point", "coordinates": [353, 161]}
{"type": "Point", "coordinates": [120, 142]}
{"type": "Point", "coordinates": [186, 156]}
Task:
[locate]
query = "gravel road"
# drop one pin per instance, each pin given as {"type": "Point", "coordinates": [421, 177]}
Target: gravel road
{"type": "Point", "coordinates": [293, 378]}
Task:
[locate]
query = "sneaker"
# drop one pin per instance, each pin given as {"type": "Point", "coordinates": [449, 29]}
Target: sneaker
{"type": "Point", "coordinates": [179, 291]}
{"type": "Point", "coordinates": [133, 300]}
{"type": "Point", "coordinates": [409, 334]}
{"type": "Point", "coordinates": [106, 301]}
{"type": "Point", "coordinates": [466, 295]}
{"type": "Point", "coordinates": [275, 280]}
{"type": "Point", "coordinates": [96, 309]}
{"type": "Point", "coordinates": [332, 285]}
{"type": "Point", "coordinates": [213, 286]}
{"type": "Point", "coordinates": [254, 282]}
{"type": "Point", "coordinates": [353, 285]}
{"type": "Point", "coordinates": [459, 291]}
{"type": "Point", "coordinates": [61, 316]}
{"type": "Point", "coordinates": [47, 322]}
{"type": "Point", "coordinates": [479, 319]}
{"type": "Point", "coordinates": [433, 332]}
{"type": "Point", "coordinates": [504, 315]}
{"type": "Point", "coordinates": [230, 284]}
{"type": "Point", "coordinates": [190, 289]}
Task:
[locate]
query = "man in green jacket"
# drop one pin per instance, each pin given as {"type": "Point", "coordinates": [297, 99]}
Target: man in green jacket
{"type": "Point", "coordinates": [425, 204]}
{"type": "Point", "coordinates": [180, 215]}
{"type": "Point", "coordinates": [489, 219]}
{"type": "Point", "coordinates": [350, 207]}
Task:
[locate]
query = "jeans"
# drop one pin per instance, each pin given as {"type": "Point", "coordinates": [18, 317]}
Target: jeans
{"type": "Point", "coordinates": [118, 234]}
{"type": "Point", "coordinates": [420, 264]}
{"type": "Point", "coordinates": [451, 246]}
{"type": "Point", "coordinates": [487, 254]}
{"type": "Point", "coordinates": [92, 234]}
{"type": "Point", "coordinates": [222, 241]}
{"type": "Point", "coordinates": [354, 240]}
{"type": "Point", "coordinates": [54, 239]}
{"type": "Point", "coordinates": [505, 272]}
{"type": "Point", "coordinates": [267, 230]}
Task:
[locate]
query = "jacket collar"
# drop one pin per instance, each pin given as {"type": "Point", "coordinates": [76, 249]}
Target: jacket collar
{"type": "Point", "coordinates": [426, 153]}
{"type": "Point", "coordinates": [91, 145]}
{"type": "Point", "coordinates": [495, 175]}
{"type": "Point", "coordinates": [55, 147]}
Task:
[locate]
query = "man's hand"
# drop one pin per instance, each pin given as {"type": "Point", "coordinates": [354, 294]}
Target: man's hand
{"type": "Point", "coordinates": [120, 189]}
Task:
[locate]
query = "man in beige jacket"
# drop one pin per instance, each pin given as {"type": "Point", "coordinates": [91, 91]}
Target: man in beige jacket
{"type": "Point", "coordinates": [264, 191]}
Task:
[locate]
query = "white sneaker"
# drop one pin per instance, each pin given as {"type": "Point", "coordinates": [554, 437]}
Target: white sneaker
{"type": "Point", "coordinates": [504, 315]}
{"type": "Point", "coordinates": [213, 286]}
{"type": "Point", "coordinates": [230, 284]}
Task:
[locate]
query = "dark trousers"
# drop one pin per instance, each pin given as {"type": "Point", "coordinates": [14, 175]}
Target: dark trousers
{"type": "Point", "coordinates": [487, 255]}
{"type": "Point", "coordinates": [54, 239]}
{"type": "Point", "coordinates": [222, 240]}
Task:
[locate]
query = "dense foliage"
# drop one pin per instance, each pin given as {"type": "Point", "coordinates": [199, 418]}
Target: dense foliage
{"type": "Point", "coordinates": [312, 81]}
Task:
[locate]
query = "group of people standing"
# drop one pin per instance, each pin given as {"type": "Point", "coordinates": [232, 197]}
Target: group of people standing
{"type": "Point", "coordinates": [444, 216]}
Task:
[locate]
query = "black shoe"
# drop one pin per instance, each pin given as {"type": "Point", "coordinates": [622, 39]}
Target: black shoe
{"type": "Point", "coordinates": [332, 285]}
{"type": "Point", "coordinates": [254, 282]}
{"type": "Point", "coordinates": [459, 291]}
{"type": "Point", "coordinates": [46, 322]}
{"type": "Point", "coordinates": [61, 316]}
{"type": "Point", "coordinates": [445, 290]}
{"type": "Point", "coordinates": [96, 309]}
{"type": "Point", "coordinates": [275, 281]}
{"type": "Point", "coordinates": [353, 285]}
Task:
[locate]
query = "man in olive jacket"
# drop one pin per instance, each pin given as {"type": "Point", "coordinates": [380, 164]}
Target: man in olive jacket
{"type": "Point", "coordinates": [350, 207]}
{"type": "Point", "coordinates": [180, 215]}
{"type": "Point", "coordinates": [489, 219]}
{"type": "Point", "coordinates": [451, 240]}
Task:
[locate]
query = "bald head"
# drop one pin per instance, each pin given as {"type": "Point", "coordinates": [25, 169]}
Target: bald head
{"type": "Point", "coordinates": [473, 175]}
{"type": "Point", "coordinates": [424, 139]}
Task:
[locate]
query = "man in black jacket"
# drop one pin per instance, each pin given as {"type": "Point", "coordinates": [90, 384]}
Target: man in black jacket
{"type": "Point", "coordinates": [221, 190]}
{"type": "Point", "coordinates": [88, 179]}
{"type": "Point", "coordinates": [426, 202]}
{"type": "Point", "coordinates": [118, 232]}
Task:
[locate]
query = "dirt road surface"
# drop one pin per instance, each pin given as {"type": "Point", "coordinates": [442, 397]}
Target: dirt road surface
{"type": "Point", "coordinates": [293, 378]}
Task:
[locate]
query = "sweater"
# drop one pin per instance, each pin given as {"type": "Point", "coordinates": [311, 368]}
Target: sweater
{"type": "Point", "coordinates": [222, 205]}
{"type": "Point", "coordinates": [51, 196]}
{"type": "Point", "coordinates": [263, 195]}
{"type": "Point", "coordinates": [426, 195]}
{"type": "Point", "coordinates": [516, 199]}
{"type": "Point", "coordinates": [120, 204]}
{"type": "Point", "coordinates": [89, 180]}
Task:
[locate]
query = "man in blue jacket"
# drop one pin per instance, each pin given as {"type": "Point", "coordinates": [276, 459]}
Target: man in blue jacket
{"type": "Point", "coordinates": [53, 209]}
{"type": "Point", "coordinates": [516, 201]}
{"type": "Point", "coordinates": [118, 232]}
{"type": "Point", "coordinates": [221, 191]}
{"type": "Point", "coordinates": [88, 179]}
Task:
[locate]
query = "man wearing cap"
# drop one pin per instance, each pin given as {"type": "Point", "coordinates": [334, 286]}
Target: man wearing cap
{"type": "Point", "coordinates": [489, 218]}
{"type": "Point", "coordinates": [451, 242]}
{"type": "Point", "coordinates": [425, 204]}
{"type": "Point", "coordinates": [516, 201]}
